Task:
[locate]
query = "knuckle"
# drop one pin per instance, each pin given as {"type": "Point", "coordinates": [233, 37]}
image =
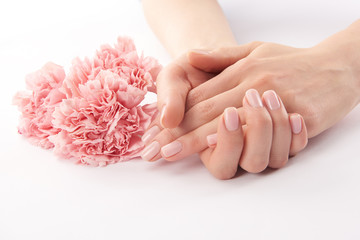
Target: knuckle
{"type": "Point", "coordinates": [194, 140]}
{"type": "Point", "coordinates": [281, 125]}
{"type": "Point", "coordinates": [169, 135]}
{"type": "Point", "coordinates": [261, 121]}
{"type": "Point", "coordinates": [247, 63]}
{"type": "Point", "coordinates": [283, 122]}
{"type": "Point", "coordinates": [204, 109]}
{"type": "Point", "coordinates": [195, 96]}
{"type": "Point", "coordinates": [264, 79]}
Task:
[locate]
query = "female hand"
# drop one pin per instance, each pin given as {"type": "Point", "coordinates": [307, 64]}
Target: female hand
{"type": "Point", "coordinates": [321, 83]}
{"type": "Point", "coordinates": [322, 86]}
{"type": "Point", "coordinates": [173, 83]}
{"type": "Point", "coordinates": [257, 135]}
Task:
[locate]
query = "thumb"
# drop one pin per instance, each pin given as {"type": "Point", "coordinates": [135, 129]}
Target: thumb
{"type": "Point", "coordinates": [172, 88]}
{"type": "Point", "coordinates": [217, 60]}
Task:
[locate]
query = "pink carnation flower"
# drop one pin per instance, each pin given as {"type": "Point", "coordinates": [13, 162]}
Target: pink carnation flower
{"type": "Point", "coordinates": [92, 115]}
{"type": "Point", "coordinates": [38, 104]}
{"type": "Point", "coordinates": [123, 60]}
{"type": "Point", "coordinates": [103, 123]}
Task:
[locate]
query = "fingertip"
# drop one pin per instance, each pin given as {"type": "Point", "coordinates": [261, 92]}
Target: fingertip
{"type": "Point", "coordinates": [231, 119]}
{"type": "Point", "coordinates": [196, 55]}
{"type": "Point", "coordinates": [300, 136]}
{"type": "Point", "coordinates": [196, 52]}
{"type": "Point", "coordinates": [201, 59]}
{"type": "Point", "coordinates": [296, 123]}
{"type": "Point", "coordinates": [304, 133]}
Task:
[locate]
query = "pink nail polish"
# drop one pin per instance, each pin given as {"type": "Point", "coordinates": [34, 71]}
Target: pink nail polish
{"type": "Point", "coordinates": [212, 139]}
{"type": "Point", "coordinates": [253, 98]}
{"type": "Point", "coordinates": [271, 100]}
{"type": "Point", "coordinates": [296, 126]}
{"type": "Point", "coordinates": [150, 151]}
{"type": "Point", "coordinates": [171, 149]}
{"type": "Point", "coordinates": [231, 119]}
{"type": "Point", "coordinates": [150, 134]}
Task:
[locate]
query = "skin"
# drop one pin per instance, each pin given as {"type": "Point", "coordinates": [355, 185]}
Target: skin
{"type": "Point", "coordinates": [205, 22]}
{"type": "Point", "coordinates": [267, 128]}
{"type": "Point", "coordinates": [321, 83]}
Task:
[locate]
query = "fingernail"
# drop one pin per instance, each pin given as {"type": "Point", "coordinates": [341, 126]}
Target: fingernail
{"type": "Point", "coordinates": [162, 116]}
{"type": "Point", "coordinates": [253, 98]}
{"type": "Point", "coordinates": [150, 151]}
{"type": "Point", "coordinates": [212, 139]}
{"type": "Point", "coordinates": [271, 100]}
{"type": "Point", "coordinates": [171, 149]}
{"type": "Point", "coordinates": [200, 51]}
{"type": "Point", "coordinates": [150, 134]}
{"type": "Point", "coordinates": [296, 125]}
{"type": "Point", "coordinates": [231, 118]}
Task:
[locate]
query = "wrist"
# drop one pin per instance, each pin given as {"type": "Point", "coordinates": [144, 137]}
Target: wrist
{"type": "Point", "coordinates": [354, 33]}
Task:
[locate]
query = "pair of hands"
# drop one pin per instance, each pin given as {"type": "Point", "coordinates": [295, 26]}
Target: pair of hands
{"type": "Point", "coordinates": [194, 90]}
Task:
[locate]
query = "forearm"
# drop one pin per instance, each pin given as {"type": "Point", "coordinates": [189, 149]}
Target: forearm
{"type": "Point", "coordinates": [344, 47]}
{"type": "Point", "coordinates": [354, 32]}
{"type": "Point", "coordinates": [188, 24]}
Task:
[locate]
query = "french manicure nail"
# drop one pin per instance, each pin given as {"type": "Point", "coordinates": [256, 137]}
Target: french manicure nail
{"type": "Point", "coordinates": [150, 134]}
{"type": "Point", "coordinates": [150, 151]}
{"type": "Point", "coordinates": [212, 139]}
{"type": "Point", "coordinates": [231, 118]}
{"type": "Point", "coordinates": [271, 100]}
{"type": "Point", "coordinates": [296, 125]}
{"type": "Point", "coordinates": [171, 149]}
{"type": "Point", "coordinates": [253, 98]}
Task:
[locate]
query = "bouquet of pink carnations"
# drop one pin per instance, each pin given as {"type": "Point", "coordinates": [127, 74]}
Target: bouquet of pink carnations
{"type": "Point", "coordinates": [93, 114]}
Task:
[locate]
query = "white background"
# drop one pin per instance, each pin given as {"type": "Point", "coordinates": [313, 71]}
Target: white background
{"type": "Point", "coordinates": [316, 196]}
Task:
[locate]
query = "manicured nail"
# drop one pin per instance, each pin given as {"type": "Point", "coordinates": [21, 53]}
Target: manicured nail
{"type": "Point", "coordinates": [150, 151]}
{"type": "Point", "coordinates": [296, 125]}
{"type": "Point", "coordinates": [212, 139]}
{"type": "Point", "coordinates": [162, 116]}
{"type": "Point", "coordinates": [150, 134]}
{"type": "Point", "coordinates": [253, 97]}
{"type": "Point", "coordinates": [231, 118]}
{"type": "Point", "coordinates": [200, 51]}
{"type": "Point", "coordinates": [271, 100]}
{"type": "Point", "coordinates": [171, 149]}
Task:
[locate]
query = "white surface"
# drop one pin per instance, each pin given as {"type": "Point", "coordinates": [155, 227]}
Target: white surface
{"type": "Point", "coordinates": [316, 196]}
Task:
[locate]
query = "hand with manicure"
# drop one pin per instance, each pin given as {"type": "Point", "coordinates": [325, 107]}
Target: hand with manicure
{"type": "Point", "coordinates": [255, 136]}
{"type": "Point", "coordinates": [200, 90]}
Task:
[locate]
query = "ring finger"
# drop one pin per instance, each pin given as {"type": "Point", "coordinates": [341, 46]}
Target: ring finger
{"type": "Point", "coordinates": [281, 138]}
